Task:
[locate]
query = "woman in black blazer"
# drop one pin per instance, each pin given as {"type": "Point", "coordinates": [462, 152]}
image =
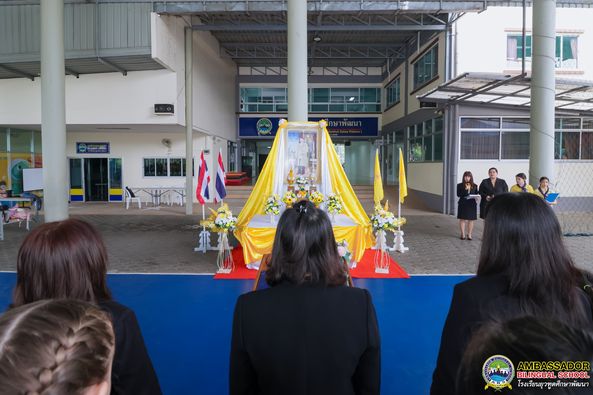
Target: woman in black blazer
{"type": "Point", "coordinates": [524, 269]}
{"type": "Point", "coordinates": [467, 208]}
{"type": "Point", "coordinates": [308, 333]}
{"type": "Point", "coordinates": [73, 251]}
{"type": "Point", "coordinates": [490, 187]}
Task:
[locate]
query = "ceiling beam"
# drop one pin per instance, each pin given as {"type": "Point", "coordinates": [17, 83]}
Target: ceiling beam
{"type": "Point", "coordinates": [18, 72]}
{"type": "Point", "coordinates": [112, 65]}
{"type": "Point", "coordinates": [324, 28]}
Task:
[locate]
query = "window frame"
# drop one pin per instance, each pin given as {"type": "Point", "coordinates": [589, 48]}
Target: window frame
{"type": "Point", "coordinates": [168, 166]}
{"type": "Point", "coordinates": [434, 67]}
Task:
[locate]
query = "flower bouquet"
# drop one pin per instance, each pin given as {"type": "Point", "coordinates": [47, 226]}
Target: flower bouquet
{"type": "Point", "coordinates": [381, 221]}
{"type": "Point", "coordinates": [334, 205]}
{"type": "Point", "coordinates": [301, 182]}
{"type": "Point", "coordinates": [289, 199]}
{"type": "Point", "coordinates": [272, 207]}
{"type": "Point", "coordinates": [316, 198]}
{"type": "Point", "coordinates": [343, 252]}
{"type": "Point", "coordinates": [301, 194]}
{"type": "Point", "coordinates": [223, 222]}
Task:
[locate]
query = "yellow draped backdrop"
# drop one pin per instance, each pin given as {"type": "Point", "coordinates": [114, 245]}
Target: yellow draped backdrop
{"type": "Point", "coordinates": [257, 242]}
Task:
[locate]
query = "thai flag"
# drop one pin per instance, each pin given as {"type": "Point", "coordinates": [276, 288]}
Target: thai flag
{"type": "Point", "coordinates": [202, 191]}
{"type": "Point", "coordinates": [220, 180]}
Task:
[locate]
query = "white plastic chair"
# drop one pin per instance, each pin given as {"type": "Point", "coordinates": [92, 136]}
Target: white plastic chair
{"type": "Point", "coordinates": [129, 198]}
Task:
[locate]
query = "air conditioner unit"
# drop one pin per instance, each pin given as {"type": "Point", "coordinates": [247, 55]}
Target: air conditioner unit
{"type": "Point", "coordinates": [164, 109]}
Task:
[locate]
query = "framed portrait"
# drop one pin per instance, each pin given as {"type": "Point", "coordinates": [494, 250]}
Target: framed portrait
{"type": "Point", "coordinates": [303, 147]}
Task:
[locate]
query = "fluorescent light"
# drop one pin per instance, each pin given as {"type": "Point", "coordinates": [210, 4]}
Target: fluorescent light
{"type": "Point", "coordinates": [351, 98]}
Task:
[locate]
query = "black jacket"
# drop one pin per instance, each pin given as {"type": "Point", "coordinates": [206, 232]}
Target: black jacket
{"type": "Point", "coordinates": [132, 372]}
{"type": "Point", "coordinates": [292, 339]}
{"type": "Point", "coordinates": [486, 189]}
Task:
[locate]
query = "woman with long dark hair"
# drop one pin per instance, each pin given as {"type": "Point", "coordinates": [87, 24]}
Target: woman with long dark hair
{"type": "Point", "coordinates": [68, 259]}
{"type": "Point", "coordinates": [524, 269]}
{"type": "Point", "coordinates": [467, 207]}
{"type": "Point", "coordinates": [308, 333]}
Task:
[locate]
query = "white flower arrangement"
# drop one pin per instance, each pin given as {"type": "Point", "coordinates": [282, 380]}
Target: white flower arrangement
{"type": "Point", "coordinates": [343, 252]}
{"type": "Point", "coordinates": [272, 205]}
{"type": "Point", "coordinates": [301, 181]}
{"type": "Point", "coordinates": [334, 204]}
{"type": "Point", "coordinates": [316, 198]}
{"type": "Point", "coordinates": [383, 219]}
{"type": "Point", "coordinates": [224, 220]}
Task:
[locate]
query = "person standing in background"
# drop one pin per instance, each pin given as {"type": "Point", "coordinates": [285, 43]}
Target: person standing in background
{"type": "Point", "coordinates": [489, 187]}
{"type": "Point", "coordinates": [467, 208]}
{"type": "Point", "coordinates": [521, 185]}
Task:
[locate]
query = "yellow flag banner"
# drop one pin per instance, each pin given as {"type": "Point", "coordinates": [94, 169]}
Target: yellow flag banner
{"type": "Point", "coordinates": [403, 185]}
{"type": "Point", "coordinates": [378, 183]}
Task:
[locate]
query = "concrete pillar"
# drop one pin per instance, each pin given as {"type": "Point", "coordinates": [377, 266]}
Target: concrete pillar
{"type": "Point", "coordinates": [297, 61]}
{"type": "Point", "coordinates": [53, 113]}
{"type": "Point", "coordinates": [189, 120]}
{"type": "Point", "coordinates": [543, 87]}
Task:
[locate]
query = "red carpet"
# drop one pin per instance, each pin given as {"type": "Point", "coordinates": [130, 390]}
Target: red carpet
{"type": "Point", "coordinates": [364, 269]}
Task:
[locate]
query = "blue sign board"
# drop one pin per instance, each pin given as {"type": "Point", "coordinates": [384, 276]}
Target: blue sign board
{"type": "Point", "coordinates": [92, 148]}
{"type": "Point", "coordinates": [337, 127]}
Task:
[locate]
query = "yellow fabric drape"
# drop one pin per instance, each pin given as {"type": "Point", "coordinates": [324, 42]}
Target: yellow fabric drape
{"type": "Point", "coordinates": [352, 207]}
{"type": "Point", "coordinates": [257, 199]}
{"type": "Point", "coordinates": [258, 241]}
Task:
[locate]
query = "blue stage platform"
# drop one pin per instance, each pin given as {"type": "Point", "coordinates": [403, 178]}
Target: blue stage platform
{"type": "Point", "coordinates": [186, 322]}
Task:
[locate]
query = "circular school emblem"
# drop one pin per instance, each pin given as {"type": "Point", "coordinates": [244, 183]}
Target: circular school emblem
{"type": "Point", "coordinates": [498, 372]}
{"type": "Point", "coordinates": [264, 126]}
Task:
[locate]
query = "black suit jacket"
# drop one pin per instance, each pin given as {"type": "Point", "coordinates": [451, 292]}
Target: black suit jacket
{"type": "Point", "coordinates": [475, 301]}
{"type": "Point", "coordinates": [292, 339]}
{"type": "Point", "coordinates": [132, 371]}
{"type": "Point", "coordinates": [486, 189]}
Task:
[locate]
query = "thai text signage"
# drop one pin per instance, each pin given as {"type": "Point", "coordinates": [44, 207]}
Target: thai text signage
{"type": "Point", "coordinates": [92, 148]}
{"type": "Point", "coordinates": [337, 127]}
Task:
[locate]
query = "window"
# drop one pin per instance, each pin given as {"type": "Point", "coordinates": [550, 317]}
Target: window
{"type": "Point", "coordinates": [566, 145]}
{"type": "Point", "coordinates": [515, 145]}
{"type": "Point", "coordinates": [344, 100]}
{"type": "Point", "coordinates": [482, 139]}
{"type": "Point", "coordinates": [426, 141]}
{"type": "Point", "coordinates": [566, 50]}
{"type": "Point", "coordinates": [479, 145]}
{"type": "Point", "coordinates": [392, 92]}
{"type": "Point", "coordinates": [426, 68]}
{"type": "Point", "coordinates": [164, 167]}
{"type": "Point", "coordinates": [320, 100]}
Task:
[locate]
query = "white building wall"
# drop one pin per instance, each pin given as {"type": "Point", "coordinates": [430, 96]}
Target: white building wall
{"type": "Point", "coordinates": [109, 98]}
{"type": "Point", "coordinates": [134, 147]}
{"type": "Point", "coordinates": [426, 177]}
{"type": "Point", "coordinates": [214, 89]}
{"type": "Point", "coordinates": [482, 39]}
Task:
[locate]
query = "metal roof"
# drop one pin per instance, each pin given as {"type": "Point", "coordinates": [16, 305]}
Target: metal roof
{"type": "Point", "coordinates": [361, 33]}
{"type": "Point", "coordinates": [119, 64]}
{"type": "Point", "coordinates": [496, 90]}
{"type": "Point", "coordinates": [341, 33]}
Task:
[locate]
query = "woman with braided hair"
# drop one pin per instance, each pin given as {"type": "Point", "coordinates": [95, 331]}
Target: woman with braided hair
{"type": "Point", "coordinates": [56, 347]}
{"type": "Point", "coordinates": [68, 259]}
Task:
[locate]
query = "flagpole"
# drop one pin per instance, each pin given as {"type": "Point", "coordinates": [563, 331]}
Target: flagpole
{"type": "Point", "coordinates": [399, 206]}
